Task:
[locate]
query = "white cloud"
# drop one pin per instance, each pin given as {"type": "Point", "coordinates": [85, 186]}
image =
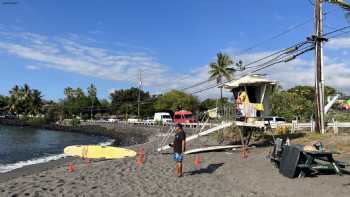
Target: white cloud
{"type": "Point", "coordinates": [32, 67]}
{"type": "Point", "coordinates": [339, 43]}
{"type": "Point", "coordinates": [301, 70]}
{"type": "Point", "coordinates": [84, 57]}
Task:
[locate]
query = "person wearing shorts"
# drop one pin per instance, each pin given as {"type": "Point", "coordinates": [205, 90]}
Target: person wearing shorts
{"type": "Point", "coordinates": [179, 146]}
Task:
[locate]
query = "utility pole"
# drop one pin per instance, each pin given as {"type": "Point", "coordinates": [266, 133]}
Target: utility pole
{"type": "Point", "coordinates": [139, 96]}
{"type": "Point", "coordinates": [319, 78]}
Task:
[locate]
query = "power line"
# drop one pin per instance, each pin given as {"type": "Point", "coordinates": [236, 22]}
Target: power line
{"type": "Point", "coordinates": [278, 35]}
{"type": "Point", "coordinates": [340, 34]}
{"type": "Point", "coordinates": [281, 60]}
{"type": "Point", "coordinates": [280, 52]}
{"type": "Point", "coordinates": [287, 54]}
{"type": "Point", "coordinates": [337, 30]}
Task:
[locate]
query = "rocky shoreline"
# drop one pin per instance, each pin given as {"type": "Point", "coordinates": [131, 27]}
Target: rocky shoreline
{"type": "Point", "coordinates": [124, 135]}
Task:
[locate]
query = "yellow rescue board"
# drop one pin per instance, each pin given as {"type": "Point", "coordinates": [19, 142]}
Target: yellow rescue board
{"type": "Point", "coordinates": [98, 152]}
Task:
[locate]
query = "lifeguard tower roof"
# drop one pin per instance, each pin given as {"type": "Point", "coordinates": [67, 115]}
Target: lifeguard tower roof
{"type": "Point", "coordinates": [249, 80]}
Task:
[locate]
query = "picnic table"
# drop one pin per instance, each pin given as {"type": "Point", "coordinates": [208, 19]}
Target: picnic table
{"type": "Point", "coordinates": [293, 161]}
{"type": "Point", "coordinates": [312, 163]}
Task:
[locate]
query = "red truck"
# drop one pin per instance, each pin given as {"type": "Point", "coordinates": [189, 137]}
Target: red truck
{"type": "Point", "coordinates": [184, 116]}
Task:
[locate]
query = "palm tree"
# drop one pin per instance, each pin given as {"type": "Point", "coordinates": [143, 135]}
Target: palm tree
{"type": "Point", "coordinates": [26, 100]}
{"type": "Point", "coordinates": [68, 92]}
{"type": "Point", "coordinates": [36, 102]}
{"type": "Point", "coordinates": [344, 5]}
{"type": "Point", "coordinates": [15, 95]}
{"type": "Point", "coordinates": [26, 91]}
{"type": "Point", "coordinates": [92, 91]}
{"type": "Point", "coordinates": [221, 69]}
{"type": "Point", "coordinates": [79, 93]}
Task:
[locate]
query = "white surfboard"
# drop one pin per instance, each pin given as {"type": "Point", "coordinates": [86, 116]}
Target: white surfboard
{"type": "Point", "coordinates": [211, 148]}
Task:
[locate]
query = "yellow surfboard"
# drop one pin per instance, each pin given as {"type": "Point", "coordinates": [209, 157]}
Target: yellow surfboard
{"type": "Point", "coordinates": [98, 152]}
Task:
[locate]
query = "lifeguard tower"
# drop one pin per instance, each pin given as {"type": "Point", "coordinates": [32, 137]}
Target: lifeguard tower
{"type": "Point", "coordinates": [252, 95]}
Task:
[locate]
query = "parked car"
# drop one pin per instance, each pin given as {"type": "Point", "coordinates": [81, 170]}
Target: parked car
{"type": "Point", "coordinates": [112, 120]}
{"type": "Point", "coordinates": [148, 120]}
{"type": "Point", "coordinates": [163, 117]}
{"type": "Point", "coordinates": [184, 116]}
{"type": "Point", "coordinates": [132, 120]}
{"type": "Point", "coordinates": [274, 120]}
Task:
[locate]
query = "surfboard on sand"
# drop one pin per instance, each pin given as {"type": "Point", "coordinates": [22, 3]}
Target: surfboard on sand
{"type": "Point", "coordinates": [211, 148]}
{"type": "Point", "coordinates": [98, 152]}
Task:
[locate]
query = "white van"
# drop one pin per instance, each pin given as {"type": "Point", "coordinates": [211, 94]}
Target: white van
{"type": "Point", "coordinates": [163, 117]}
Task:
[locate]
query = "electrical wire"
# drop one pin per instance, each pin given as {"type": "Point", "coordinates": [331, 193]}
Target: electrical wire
{"type": "Point", "coordinates": [340, 34]}
{"type": "Point", "coordinates": [281, 60]}
{"type": "Point", "coordinates": [278, 35]}
{"type": "Point", "coordinates": [337, 30]}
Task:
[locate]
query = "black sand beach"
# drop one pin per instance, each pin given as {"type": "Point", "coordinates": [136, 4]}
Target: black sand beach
{"type": "Point", "coordinates": [220, 174]}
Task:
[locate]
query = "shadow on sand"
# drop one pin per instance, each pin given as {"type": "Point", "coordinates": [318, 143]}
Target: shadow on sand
{"type": "Point", "coordinates": [208, 170]}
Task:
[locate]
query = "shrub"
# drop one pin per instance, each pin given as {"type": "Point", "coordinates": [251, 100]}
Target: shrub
{"type": "Point", "coordinates": [75, 122]}
{"type": "Point", "coordinates": [282, 130]}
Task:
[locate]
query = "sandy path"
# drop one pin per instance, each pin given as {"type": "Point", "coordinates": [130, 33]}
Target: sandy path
{"type": "Point", "coordinates": [222, 174]}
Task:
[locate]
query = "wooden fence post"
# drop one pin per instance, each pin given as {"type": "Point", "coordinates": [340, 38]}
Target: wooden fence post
{"type": "Point", "coordinates": [294, 125]}
{"type": "Point", "coordinates": [312, 126]}
{"type": "Point", "coordinates": [335, 127]}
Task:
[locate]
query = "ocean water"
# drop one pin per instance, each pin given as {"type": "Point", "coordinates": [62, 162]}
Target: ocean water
{"type": "Point", "coordinates": [26, 146]}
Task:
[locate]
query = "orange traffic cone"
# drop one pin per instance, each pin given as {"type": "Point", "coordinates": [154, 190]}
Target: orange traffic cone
{"type": "Point", "coordinates": [197, 162]}
{"type": "Point", "coordinates": [70, 167]}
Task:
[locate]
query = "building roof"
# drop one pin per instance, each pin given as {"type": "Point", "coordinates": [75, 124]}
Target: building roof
{"type": "Point", "coordinates": [255, 79]}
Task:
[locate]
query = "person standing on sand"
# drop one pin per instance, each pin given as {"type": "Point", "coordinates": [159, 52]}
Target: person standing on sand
{"type": "Point", "coordinates": [179, 146]}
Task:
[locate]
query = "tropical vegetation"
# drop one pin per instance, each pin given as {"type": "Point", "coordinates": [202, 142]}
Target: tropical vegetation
{"type": "Point", "coordinates": [221, 69]}
{"type": "Point", "coordinates": [25, 102]}
{"type": "Point", "coordinates": [296, 102]}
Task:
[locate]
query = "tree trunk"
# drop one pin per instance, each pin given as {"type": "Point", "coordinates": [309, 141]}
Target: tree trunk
{"type": "Point", "coordinates": [221, 103]}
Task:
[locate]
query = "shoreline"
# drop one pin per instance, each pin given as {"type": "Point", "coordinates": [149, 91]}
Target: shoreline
{"type": "Point", "coordinates": [52, 164]}
{"type": "Point", "coordinates": [122, 134]}
{"type": "Point", "coordinates": [219, 174]}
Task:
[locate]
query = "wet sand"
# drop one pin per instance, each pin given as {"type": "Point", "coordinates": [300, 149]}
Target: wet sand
{"type": "Point", "coordinates": [220, 174]}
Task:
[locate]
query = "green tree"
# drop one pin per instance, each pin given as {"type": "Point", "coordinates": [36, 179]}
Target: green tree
{"type": "Point", "coordinates": [24, 100]}
{"type": "Point", "coordinates": [290, 105]}
{"type": "Point", "coordinates": [68, 93]}
{"type": "Point", "coordinates": [76, 102]}
{"type": "Point", "coordinates": [92, 91]}
{"type": "Point", "coordinates": [176, 100]}
{"type": "Point", "coordinates": [124, 102]}
{"type": "Point", "coordinates": [221, 69]}
{"type": "Point", "coordinates": [14, 101]}
{"type": "Point", "coordinates": [54, 111]}
{"type": "Point", "coordinates": [208, 104]}
{"type": "Point", "coordinates": [4, 102]}
{"type": "Point", "coordinates": [36, 102]}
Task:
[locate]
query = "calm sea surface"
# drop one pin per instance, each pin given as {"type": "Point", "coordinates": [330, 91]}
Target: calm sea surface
{"type": "Point", "coordinates": [22, 144]}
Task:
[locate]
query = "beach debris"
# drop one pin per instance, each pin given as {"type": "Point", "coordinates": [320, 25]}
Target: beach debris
{"type": "Point", "coordinates": [140, 157]}
{"type": "Point", "coordinates": [70, 167]}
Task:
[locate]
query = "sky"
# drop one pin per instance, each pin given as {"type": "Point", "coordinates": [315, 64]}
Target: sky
{"type": "Point", "coordinates": [53, 44]}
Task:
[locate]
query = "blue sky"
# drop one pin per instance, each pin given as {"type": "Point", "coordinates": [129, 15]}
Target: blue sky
{"type": "Point", "coordinates": [52, 44]}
